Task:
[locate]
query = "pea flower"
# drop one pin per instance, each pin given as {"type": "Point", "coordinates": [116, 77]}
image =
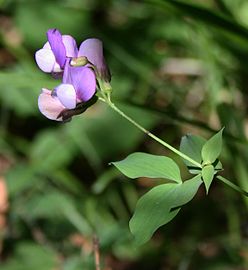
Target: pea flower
{"type": "Point", "coordinates": [60, 55]}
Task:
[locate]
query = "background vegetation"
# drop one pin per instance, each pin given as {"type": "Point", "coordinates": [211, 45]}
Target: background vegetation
{"type": "Point", "coordinates": [177, 67]}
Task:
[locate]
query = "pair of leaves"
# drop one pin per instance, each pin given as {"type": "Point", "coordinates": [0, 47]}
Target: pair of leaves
{"type": "Point", "coordinates": [212, 148]}
{"type": "Point", "coordinates": [162, 203]}
{"type": "Point", "coordinates": [204, 152]}
{"type": "Point", "coordinates": [200, 149]}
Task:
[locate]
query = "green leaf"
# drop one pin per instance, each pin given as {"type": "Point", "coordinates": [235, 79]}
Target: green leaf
{"type": "Point", "coordinates": [191, 145]}
{"type": "Point", "coordinates": [77, 263]}
{"type": "Point", "coordinates": [103, 181]}
{"type": "Point", "coordinates": [218, 166]}
{"type": "Point", "coordinates": [212, 148]}
{"type": "Point", "coordinates": [55, 204]}
{"type": "Point", "coordinates": [47, 14]}
{"type": "Point", "coordinates": [205, 15]}
{"type": "Point", "coordinates": [208, 176]}
{"type": "Point", "coordinates": [29, 256]}
{"type": "Point", "coordinates": [86, 133]}
{"type": "Point", "coordinates": [147, 165]}
{"type": "Point", "coordinates": [50, 150]}
{"type": "Point", "coordinates": [155, 208]}
{"type": "Point", "coordinates": [20, 178]}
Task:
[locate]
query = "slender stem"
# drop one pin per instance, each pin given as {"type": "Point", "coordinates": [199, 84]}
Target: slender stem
{"type": "Point", "coordinates": [112, 105]}
{"type": "Point", "coordinates": [96, 252]}
{"type": "Point", "coordinates": [107, 100]}
{"type": "Point", "coordinates": [230, 184]}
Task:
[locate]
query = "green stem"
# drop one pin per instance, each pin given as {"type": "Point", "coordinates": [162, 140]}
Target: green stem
{"type": "Point", "coordinates": [112, 105]}
{"type": "Point", "coordinates": [230, 184]}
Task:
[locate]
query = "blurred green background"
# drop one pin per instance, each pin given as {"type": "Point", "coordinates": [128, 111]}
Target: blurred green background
{"type": "Point", "coordinates": [177, 67]}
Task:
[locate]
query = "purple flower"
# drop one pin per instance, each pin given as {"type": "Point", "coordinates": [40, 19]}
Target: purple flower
{"type": "Point", "coordinates": [49, 105]}
{"type": "Point", "coordinates": [79, 82]}
{"type": "Point", "coordinates": [92, 48]}
{"type": "Point", "coordinates": [78, 86]}
{"type": "Point", "coordinates": [52, 57]}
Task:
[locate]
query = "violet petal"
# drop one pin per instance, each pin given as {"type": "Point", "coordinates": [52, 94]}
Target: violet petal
{"type": "Point", "coordinates": [70, 46]}
{"type": "Point", "coordinates": [49, 105]}
{"type": "Point", "coordinates": [45, 60]}
{"type": "Point", "coordinates": [67, 72]}
{"type": "Point", "coordinates": [67, 95]}
{"type": "Point", "coordinates": [55, 40]}
{"type": "Point", "coordinates": [92, 48]}
{"type": "Point", "coordinates": [84, 82]}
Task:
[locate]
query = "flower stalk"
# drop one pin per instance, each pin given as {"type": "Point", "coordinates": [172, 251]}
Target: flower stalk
{"type": "Point", "coordinates": [106, 98]}
{"type": "Point", "coordinates": [168, 146]}
{"type": "Point", "coordinates": [232, 185]}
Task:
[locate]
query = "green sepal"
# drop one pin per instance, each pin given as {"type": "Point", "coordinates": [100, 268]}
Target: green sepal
{"type": "Point", "coordinates": [208, 176]}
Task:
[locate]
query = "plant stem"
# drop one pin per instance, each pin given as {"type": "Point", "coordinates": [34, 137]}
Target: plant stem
{"type": "Point", "coordinates": [96, 252]}
{"type": "Point", "coordinates": [112, 105]}
{"type": "Point", "coordinates": [230, 184]}
{"type": "Point", "coordinates": [106, 98]}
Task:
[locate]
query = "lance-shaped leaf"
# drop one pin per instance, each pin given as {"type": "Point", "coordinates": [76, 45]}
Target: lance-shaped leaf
{"type": "Point", "coordinates": [157, 207]}
{"type": "Point", "coordinates": [208, 176]}
{"type": "Point", "coordinates": [212, 148]}
{"type": "Point", "coordinates": [147, 165]}
{"type": "Point", "coordinates": [191, 145]}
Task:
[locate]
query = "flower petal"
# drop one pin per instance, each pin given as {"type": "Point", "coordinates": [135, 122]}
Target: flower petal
{"type": "Point", "coordinates": [84, 81]}
{"type": "Point", "coordinates": [45, 60]}
{"type": "Point", "coordinates": [47, 46]}
{"type": "Point", "coordinates": [56, 67]}
{"type": "Point", "coordinates": [49, 105]}
{"type": "Point", "coordinates": [70, 46]}
{"type": "Point", "coordinates": [66, 95]}
{"type": "Point", "coordinates": [92, 48]}
{"type": "Point", "coordinates": [67, 72]}
{"type": "Point", "coordinates": [55, 40]}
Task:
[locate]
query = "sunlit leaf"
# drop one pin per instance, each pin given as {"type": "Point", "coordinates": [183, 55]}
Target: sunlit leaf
{"type": "Point", "coordinates": [147, 165]}
{"type": "Point", "coordinates": [212, 148]}
{"type": "Point", "coordinates": [208, 175]}
{"type": "Point", "coordinates": [156, 207]}
{"type": "Point", "coordinates": [191, 145]}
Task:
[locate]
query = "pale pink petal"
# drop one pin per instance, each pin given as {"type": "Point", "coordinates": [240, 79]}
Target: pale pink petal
{"type": "Point", "coordinates": [49, 105]}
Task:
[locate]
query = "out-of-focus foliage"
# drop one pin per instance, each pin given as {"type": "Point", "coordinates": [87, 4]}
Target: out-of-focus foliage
{"type": "Point", "coordinates": [177, 67]}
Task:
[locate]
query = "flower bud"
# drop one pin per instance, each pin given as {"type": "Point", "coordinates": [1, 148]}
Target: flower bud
{"type": "Point", "coordinates": [79, 61]}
